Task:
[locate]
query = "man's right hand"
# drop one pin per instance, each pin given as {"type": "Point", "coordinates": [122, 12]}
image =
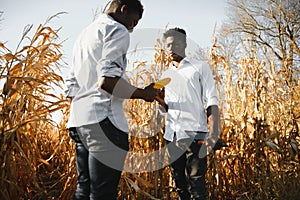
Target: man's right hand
{"type": "Point", "coordinates": [149, 93]}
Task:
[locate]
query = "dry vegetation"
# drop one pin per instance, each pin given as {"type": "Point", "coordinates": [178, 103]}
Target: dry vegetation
{"type": "Point", "coordinates": [146, 126]}
{"type": "Point", "coordinates": [260, 122]}
{"type": "Point", "coordinates": [36, 156]}
{"type": "Point", "coordinates": [261, 125]}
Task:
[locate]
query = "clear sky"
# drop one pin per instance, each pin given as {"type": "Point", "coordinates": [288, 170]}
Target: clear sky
{"type": "Point", "coordinates": [197, 17]}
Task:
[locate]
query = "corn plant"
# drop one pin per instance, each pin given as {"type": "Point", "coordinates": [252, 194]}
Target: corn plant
{"type": "Point", "coordinates": [35, 151]}
{"type": "Point", "coordinates": [261, 125]}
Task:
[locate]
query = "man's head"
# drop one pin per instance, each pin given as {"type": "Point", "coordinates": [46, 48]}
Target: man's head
{"type": "Point", "coordinates": [126, 12]}
{"type": "Point", "coordinates": [175, 43]}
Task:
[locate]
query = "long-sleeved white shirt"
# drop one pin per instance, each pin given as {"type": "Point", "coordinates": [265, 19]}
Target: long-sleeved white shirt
{"type": "Point", "coordinates": [188, 95]}
{"type": "Point", "coordinates": [100, 50]}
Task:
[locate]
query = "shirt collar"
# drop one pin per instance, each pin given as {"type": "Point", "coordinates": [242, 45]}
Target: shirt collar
{"type": "Point", "coordinates": [182, 62]}
{"type": "Point", "coordinates": [106, 17]}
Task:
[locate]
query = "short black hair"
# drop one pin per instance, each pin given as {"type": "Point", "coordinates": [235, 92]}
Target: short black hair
{"type": "Point", "coordinates": [176, 32]}
{"type": "Point", "coordinates": [133, 5]}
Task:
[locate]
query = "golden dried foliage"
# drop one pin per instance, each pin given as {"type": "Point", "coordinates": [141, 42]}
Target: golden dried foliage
{"type": "Point", "coordinates": [146, 126]}
{"type": "Point", "coordinates": [35, 152]}
{"type": "Point", "coordinates": [260, 122]}
{"type": "Point", "coordinates": [259, 119]}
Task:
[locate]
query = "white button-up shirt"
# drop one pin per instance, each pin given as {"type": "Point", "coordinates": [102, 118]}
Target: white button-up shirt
{"type": "Point", "coordinates": [100, 50]}
{"type": "Point", "coordinates": [190, 92]}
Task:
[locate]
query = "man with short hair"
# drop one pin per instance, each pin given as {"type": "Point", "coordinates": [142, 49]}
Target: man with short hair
{"type": "Point", "coordinates": [97, 87]}
{"type": "Point", "coordinates": [192, 105]}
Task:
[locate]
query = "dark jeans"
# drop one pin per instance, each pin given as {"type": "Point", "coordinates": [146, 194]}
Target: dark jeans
{"type": "Point", "coordinates": [97, 179]}
{"type": "Point", "coordinates": [188, 169]}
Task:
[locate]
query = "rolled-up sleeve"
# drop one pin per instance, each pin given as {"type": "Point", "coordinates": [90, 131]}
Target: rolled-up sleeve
{"type": "Point", "coordinates": [209, 90]}
{"type": "Point", "coordinates": [72, 85]}
{"type": "Point", "coordinates": [113, 60]}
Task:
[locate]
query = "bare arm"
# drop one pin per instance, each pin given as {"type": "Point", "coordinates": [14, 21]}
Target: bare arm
{"type": "Point", "coordinates": [213, 123]}
{"type": "Point", "coordinates": [119, 87]}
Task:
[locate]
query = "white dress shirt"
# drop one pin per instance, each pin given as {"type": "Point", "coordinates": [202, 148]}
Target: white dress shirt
{"type": "Point", "coordinates": [100, 50]}
{"type": "Point", "coordinates": [190, 92]}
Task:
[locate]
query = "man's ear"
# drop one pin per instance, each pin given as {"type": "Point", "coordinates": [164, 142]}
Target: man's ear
{"type": "Point", "coordinates": [124, 9]}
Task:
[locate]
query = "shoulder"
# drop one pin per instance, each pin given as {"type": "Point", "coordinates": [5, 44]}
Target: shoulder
{"type": "Point", "coordinates": [196, 62]}
{"type": "Point", "coordinates": [167, 72]}
{"type": "Point", "coordinates": [110, 28]}
{"type": "Point", "coordinates": [199, 65]}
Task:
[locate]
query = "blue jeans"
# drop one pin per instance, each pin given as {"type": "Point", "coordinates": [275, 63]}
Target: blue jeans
{"type": "Point", "coordinates": [188, 169]}
{"type": "Point", "coordinates": [99, 160]}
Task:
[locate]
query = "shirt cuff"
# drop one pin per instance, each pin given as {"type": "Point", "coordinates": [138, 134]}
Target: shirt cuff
{"type": "Point", "coordinates": [200, 136]}
{"type": "Point", "coordinates": [212, 102]}
{"type": "Point", "coordinates": [71, 92]}
{"type": "Point", "coordinates": [110, 69]}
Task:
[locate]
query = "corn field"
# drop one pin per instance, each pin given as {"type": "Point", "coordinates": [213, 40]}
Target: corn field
{"type": "Point", "coordinates": [259, 121]}
{"type": "Point", "coordinates": [37, 157]}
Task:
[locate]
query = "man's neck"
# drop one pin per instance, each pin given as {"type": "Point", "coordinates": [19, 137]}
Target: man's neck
{"type": "Point", "coordinates": [176, 63]}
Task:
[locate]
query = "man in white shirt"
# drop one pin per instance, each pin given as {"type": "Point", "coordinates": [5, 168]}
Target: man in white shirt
{"type": "Point", "coordinates": [192, 104]}
{"type": "Point", "coordinates": [97, 86]}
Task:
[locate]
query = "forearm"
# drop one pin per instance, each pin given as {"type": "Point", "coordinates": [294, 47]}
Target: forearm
{"type": "Point", "coordinates": [213, 121]}
{"type": "Point", "coordinates": [117, 87]}
{"type": "Point", "coordinates": [120, 88]}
